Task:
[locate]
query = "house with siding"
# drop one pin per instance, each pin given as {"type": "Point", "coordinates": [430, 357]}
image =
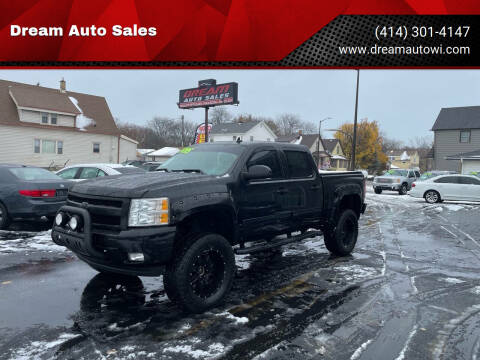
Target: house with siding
{"type": "Point", "coordinates": [338, 160]}
{"type": "Point", "coordinates": [244, 131]}
{"type": "Point", "coordinates": [53, 127]}
{"type": "Point", "coordinates": [456, 131]}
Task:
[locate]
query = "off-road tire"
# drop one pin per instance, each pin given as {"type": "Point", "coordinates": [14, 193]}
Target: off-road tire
{"type": "Point", "coordinates": [207, 259]}
{"type": "Point", "coordinates": [403, 189]}
{"type": "Point", "coordinates": [378, 191]}
{"type": "Point", "coordinates": [342, 239]}
{"type": "Point", "coordinates": [4, 217]}
{"type": "Point", "coordinates": [432, 197]}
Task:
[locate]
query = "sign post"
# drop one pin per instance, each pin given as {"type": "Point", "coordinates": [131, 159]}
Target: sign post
{"type": "Point", "coordinates": [208, 94]}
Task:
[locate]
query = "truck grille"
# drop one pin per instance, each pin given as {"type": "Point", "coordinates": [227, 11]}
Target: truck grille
{"type": "Point", "coordinates": [105, 212]}
{"type": "Point", "coordinates": [385, 181]}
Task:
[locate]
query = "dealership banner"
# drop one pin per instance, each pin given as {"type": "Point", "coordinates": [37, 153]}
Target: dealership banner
{"type": "Point", "coordinates": [210, 95]}
{"type": "Point", "coordinates": [234, 33]}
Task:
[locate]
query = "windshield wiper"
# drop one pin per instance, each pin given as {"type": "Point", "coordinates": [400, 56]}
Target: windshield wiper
{"type": "Point", "coordinates": [189, 171]}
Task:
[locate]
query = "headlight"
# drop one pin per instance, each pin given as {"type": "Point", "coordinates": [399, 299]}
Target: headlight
{"type": "Point", "coordinates": [74, 222]}
{"type": "Point", "coordinates": [59, 219]}
{"type": "Point", "coordinates": [149, 212]}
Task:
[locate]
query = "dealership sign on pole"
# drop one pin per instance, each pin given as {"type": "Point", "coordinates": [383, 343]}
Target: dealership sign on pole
{"type": "Point", "coordinates": [207, 94]}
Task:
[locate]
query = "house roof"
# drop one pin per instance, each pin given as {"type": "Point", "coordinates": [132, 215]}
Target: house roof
{"type": "Point", "coordinates": [330, 144]}
{"type": "Point", "coordinates": [233, 128]}
{"type": "Point", "coordinates": [400, 152]}
{"type": "Point", "coordinates": [32, 96]}
{"type": "Point", "coordinates": [455, 118]}
{"type": "Point", "coordinates": [468, 155]}
{"type": "Point", "coordinates": [286, 138]}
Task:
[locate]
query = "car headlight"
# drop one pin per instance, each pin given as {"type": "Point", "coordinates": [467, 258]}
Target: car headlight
{"type": "Point", "coordinates": [149, 212]}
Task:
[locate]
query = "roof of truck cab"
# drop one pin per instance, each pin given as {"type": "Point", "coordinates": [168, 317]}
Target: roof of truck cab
{"type": "Point", "coordinates": [254, 144]}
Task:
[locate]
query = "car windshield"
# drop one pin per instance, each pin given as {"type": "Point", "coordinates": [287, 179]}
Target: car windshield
{"type": "Point", "coordinates": [427, 175]}
{"type": "Point", "coordinates": [204, 160]}
{"type": "Point", "coordinates": [396, 172]}
{"type": "Point", "coordinates": [30, 173]}
{"type": "Point", "coordinates": [129, 170]}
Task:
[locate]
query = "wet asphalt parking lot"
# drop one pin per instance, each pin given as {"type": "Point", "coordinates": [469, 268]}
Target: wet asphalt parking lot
{"type": "Point", "coordinates": [411, 290]}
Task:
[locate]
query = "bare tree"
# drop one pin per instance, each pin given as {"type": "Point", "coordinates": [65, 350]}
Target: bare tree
{"type": "Point", "coordinates": [170, 130]}
{"type": "Point", "coordinates": [220, 115]}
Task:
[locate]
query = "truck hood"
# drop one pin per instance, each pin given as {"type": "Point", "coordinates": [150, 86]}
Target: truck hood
{"type": "Point", "coordinates": [138, 185]}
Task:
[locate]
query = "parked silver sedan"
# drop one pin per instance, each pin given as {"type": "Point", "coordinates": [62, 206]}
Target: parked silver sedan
{"type": "Point", "coordinates": [81, 172]}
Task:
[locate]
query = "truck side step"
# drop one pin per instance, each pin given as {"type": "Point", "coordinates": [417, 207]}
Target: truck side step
{"type": "Point", "coordinates": [275, 244]}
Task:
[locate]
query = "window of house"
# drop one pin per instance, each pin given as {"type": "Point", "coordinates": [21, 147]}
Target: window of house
{"type": "Point", "coordinates": [48, 147]}
{"type": "Point", "coordinates": [298, 164]}
{"type": "Point", "coordinates": [44, 118]}
{"type": "Point", "coordinates": [251, 138]}
{"type": "Point", "coordinates": [53, 119]}
{"type": "Point", "coordinates": [465, 136]}
{"type": "Point", "coordinates": [96, 148]}
{"type": "Point", "coordinates": [267, 158]}
{"type": "Point", "coordinates": [60, 147]}
{"type": "Point", "coordinates": [37, 146]}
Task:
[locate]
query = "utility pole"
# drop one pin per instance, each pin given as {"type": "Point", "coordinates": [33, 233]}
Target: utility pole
{"type": "Point", "coordinates": [183, 130]}
{"type": "Point", "coordinates": [354, 141]}
{"type": "Point", "coordinates": [206, 124]}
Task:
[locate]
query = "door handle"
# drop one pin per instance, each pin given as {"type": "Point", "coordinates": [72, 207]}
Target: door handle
{"type": "Point", "coordinates": [282, 191]}
{"type": "Point", "coordinates": [315, 187]}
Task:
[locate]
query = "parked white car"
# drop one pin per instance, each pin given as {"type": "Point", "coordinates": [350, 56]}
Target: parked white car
{"type": "Point", "coordinates": [447, 187]}
{"type": "Point", "coordinates": [82, 172]}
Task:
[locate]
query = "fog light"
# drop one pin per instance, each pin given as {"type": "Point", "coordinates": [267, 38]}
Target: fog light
{"type": "Point", "coordinates": [137, 257]}
{"type": "Point", "coordinates": [73, 223]}
{"type": "Point", "coordinates": [59, 219]}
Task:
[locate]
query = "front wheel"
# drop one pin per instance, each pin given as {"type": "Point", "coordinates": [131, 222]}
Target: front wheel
{"type": "Point", "coordinates": [378, 191]}
{"type": "Point", "coordinates": [432, 197]}
{"type": "Point", "coordinates": [403, 189]}
{"type": "Point", "coordinates": [201, 274]}
{"type": "Point", "coordinates": [341, 241]}
{"type": "Point", "coordinates": [4, 217]}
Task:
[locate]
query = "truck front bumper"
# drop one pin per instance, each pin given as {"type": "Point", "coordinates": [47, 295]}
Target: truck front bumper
{"type": "Point", "coordinates": [387, 186]}
{"type": "Point", "coordinates": [106, 250]}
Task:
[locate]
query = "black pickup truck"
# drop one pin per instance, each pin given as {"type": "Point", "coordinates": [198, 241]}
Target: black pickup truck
{"type": "Point", "coordinates": [208, 202]}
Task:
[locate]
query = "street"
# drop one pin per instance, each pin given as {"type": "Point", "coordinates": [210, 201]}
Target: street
{"type": "Point", "coordinates": [409, 291]}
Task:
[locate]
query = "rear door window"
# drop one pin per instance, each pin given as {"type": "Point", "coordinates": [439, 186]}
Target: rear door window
{"type": "Point", "coordinates": [68, 173]}
{"type": "Point", "coordinates": [448, 180]}
{"type": "Point", "coordinates": [298, 164]}
{"type": "Point", "coordinates": [268, 158]}
{"type": "Point", "coordinates": [88, 173]}
{"type": "Point", "coordinates": [469, 181]}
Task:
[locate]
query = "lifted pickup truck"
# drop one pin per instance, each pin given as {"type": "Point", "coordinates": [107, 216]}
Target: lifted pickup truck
{"type": "Point", "coordinates": [209, 202]}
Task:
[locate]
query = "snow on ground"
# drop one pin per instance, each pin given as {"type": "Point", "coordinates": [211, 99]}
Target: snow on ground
{"type": "Point", "coordinates": [37, 349]}
{"type": "Point", "coordinates": [28, 241]}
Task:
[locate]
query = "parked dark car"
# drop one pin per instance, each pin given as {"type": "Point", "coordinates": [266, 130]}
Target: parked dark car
{"type": "Point", "coordinates": [213, 200]}
{"type": "Point", "coordinates": [150, 165]}
{"type": "Point", "coordinates": [137, 163]}
{"type": "Point", "coordinates": [28, 192]}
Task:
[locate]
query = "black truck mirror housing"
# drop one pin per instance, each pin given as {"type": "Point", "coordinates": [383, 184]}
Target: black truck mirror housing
{"type": "Point", "coordinates": [257, 172]}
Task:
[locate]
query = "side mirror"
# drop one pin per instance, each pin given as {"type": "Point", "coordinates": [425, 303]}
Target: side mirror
{"type": "Point", "coordinates": [258, 172]}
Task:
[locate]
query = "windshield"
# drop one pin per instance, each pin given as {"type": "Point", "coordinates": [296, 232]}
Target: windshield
{"type": "Point", "coordinates": [33, 174]}
{"type": "Point", "coordinates": [204, 160]}
{"type": "Point", "coordinates": [129, 170]}
{"type": "Point", "coordinates": [396, 172]}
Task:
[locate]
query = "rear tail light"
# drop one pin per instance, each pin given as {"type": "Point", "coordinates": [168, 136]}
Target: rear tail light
{"type": "Point", "coordinates": [413, 185]}
{"type": "Point", "coordinates": [37, 193]}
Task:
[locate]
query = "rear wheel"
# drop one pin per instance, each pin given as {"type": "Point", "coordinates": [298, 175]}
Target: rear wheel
{"type": "Point", "coordinates": [202, 274]}
{"type": "Point", "coordinates": [432, 197]}
{"type": "Point", "coordinates": [403, 189]}
{"type": "Point", "coordinates": [4, 217]}
{"type": "Point", "coordinates": [341, 241]}
{"type": "Point", "coordinates": [378, 191]}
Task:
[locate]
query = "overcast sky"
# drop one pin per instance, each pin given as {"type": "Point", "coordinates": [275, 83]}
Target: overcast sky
{"type": "Point", "coordinates": [404, 102]}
